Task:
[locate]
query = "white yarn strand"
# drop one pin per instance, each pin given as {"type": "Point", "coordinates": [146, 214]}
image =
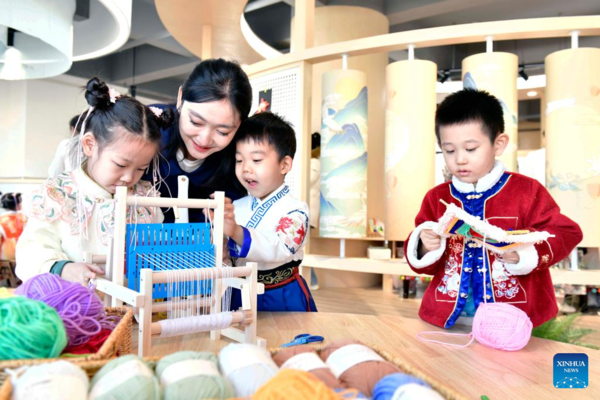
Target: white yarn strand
{"type": "Point", "coordinates": [201, 323]}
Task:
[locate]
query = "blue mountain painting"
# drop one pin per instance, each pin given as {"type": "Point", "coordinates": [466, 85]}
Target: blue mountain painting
{"type": "Point", "coordinates": [355, 107]}
{"type": "Point", "coordinates": [349, 139]}
{"type": "Point", "coordinates": [357, 166]}
{"type": "Point", "coordinates": [328, 209]}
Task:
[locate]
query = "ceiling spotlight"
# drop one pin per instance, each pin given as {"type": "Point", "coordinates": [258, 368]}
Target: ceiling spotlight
{"type": "Point", "coordinates": [444, 76]}
{"type": "Point", "coordinates": [522, 73]}
{"type": "Point", "coordinates": [532, 93]}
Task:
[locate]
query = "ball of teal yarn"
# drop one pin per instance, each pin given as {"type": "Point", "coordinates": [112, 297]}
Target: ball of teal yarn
{"type": "Point", "coordinates": [30, 329]}
{"type": "Point", "coordinates": [125, 378]}
{"type": "Point", "coordinates": [387, 386]}
{"type": "Point", "coordinates": [195, 386]}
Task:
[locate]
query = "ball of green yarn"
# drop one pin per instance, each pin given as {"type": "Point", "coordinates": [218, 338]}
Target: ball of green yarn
{"type": "Point", "coordinates": [194, 387]}
{"type": "Point", "coordinates": [134, 381]}
{"type": "Point", "coordinates": [30, 329]}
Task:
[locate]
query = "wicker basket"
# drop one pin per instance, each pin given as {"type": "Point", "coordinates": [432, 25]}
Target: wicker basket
{"type": "Point", "coordinates": [93, 366]}
{"type": "Point", "coordinates": [118, 342]}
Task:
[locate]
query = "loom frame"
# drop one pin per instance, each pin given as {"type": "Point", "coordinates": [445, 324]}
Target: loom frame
{"type": "Point", "coordinates": [116, 293]}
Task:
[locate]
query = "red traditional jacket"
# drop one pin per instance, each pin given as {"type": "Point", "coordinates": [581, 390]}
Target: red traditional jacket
{"type": "Point", "coordinates": [11, 227]}
{"type": "Point", "coordinates": [512, 202]}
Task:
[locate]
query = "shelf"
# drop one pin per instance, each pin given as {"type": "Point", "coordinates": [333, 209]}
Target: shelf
{"type": "Point", "coordinates": [400, 267]}
{"type": "Point", "coordinates": [579, 277]}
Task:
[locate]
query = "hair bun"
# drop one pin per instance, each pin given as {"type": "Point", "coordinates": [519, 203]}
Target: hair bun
{"type": "Point", "coordinates": [166, 118]}
{"type": "Point", "coordinates": [97, 93]}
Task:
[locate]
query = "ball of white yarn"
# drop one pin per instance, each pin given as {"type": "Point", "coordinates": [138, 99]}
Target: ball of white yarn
{"type": "Point", "coordinates": [414, 391]}
{"type": "Point", "coordinates": [60, 380]}
{"type": "Point", "coordinates": [247, 367]}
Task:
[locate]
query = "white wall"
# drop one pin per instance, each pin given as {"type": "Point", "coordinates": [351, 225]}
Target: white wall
{"type": "Point", "coordinates": [12, 127]}
{"type": "Point", "coordinates": [34, 118]}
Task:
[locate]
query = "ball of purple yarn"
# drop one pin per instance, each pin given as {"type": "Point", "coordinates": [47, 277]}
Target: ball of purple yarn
{"type": "Point", "coordinates": [80, 308]}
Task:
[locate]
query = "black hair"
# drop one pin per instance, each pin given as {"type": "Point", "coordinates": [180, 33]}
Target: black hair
{"type": "Point", "coordinates": [124, 112]}
{"type": "Point", "coordinates": [470, 105]}
{"type": "Point", "coordinates": [272, 129]}
{"type": "Point", "coordinates": [73, 122]}
{"type": "Point", "coordinates": [215, 80]}
{"type": "Point", "coordinates": [10, 201]}
{"type": "Point", "coordinates": [315, 141]}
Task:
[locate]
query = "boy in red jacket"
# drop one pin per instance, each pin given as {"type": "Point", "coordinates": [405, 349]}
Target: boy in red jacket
{"type": "Point", "coordinates": [469, 127]}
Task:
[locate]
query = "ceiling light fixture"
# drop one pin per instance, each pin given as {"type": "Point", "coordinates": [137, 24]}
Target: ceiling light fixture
{"type": "Point", "coordinates": [36, 38]}
{"type": "Point", "coordinates": [105, 31]}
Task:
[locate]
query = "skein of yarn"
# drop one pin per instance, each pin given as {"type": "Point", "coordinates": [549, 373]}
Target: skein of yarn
{"type": "Point", "coordinates": [125, 378]}
{"type": "Point", "coordinates": [79, 307]}
{"type": "Point", "coordinates": [30, 329]}
{"type": "Point", "coordinates": [414, 391]}
{"type": "Point", "coordinates": [247, 367]}
{"type": "Point", "coordinates": [386, 387]}
{"type": "Point", "coordinates": [293, 384]}
{"type": "Point", "coordinates": [502, 326]}
{"type": "Point", "coordinates": [305, 358]}
{"type": "Point", "coordinates": [356, 365]}
{"type": "Point", "coordinates": [192, 375]}
{"type": "Point", "coordinates": [49, 381]}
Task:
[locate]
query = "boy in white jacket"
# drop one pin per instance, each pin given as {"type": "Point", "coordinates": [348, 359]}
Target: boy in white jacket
{"type": "Point", "coordinates": [269, 226]}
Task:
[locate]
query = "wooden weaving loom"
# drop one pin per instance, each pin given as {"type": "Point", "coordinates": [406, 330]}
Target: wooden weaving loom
{"type": "Point", "coordinates": [176, 268]}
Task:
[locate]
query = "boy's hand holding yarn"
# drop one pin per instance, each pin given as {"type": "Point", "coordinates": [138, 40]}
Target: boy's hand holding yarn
{"type": "Point", "coordinates": [81, 272]}
{"type": "Point", "coordinates": [511, 257]}
{"type": "Point", "coordinates": [230, 227]}
{"type": "Point", "coordinates": [430, 241]}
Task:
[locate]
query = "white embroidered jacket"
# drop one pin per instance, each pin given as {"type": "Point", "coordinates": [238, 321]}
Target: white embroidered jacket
{"type": "Point", "coordinates": [53, 232]}
{"type": "Point", "coordinates": [274, 229]}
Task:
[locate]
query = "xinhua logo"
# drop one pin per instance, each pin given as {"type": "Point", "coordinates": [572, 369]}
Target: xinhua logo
{"type": "Point", "coordinates": [571, 371]}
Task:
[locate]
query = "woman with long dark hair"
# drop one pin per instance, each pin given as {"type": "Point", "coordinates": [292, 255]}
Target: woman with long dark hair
{"type": "Point", "coordinates": [212, 102]}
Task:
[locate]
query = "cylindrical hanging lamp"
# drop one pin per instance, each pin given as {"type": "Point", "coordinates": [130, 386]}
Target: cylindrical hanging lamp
{"type": "Point", "coordinates": [409, 142]}
{"type": "Point", "coordinates": [496, 73]}
{"type": "Point", "coordinates": [344, 154]}
{"type": "Point", "coordinates": [573, 137]}
{"type": "Point", "coordinates": [41, 44]}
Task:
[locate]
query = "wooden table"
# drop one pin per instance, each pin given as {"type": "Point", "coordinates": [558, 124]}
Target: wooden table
{"type": "Point", "coordinates": [473, 371]}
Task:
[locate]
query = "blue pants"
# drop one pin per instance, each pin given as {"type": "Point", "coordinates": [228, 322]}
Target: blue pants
{"type": "Point", "coordinates": [289, 297]}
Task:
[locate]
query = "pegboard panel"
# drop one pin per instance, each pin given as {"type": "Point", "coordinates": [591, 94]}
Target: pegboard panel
{"type": "Point", "coordinates": [285, 101]}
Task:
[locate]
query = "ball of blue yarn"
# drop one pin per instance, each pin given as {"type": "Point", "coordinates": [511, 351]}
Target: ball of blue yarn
{"type": "Point", "coordinates": [30, 329]}
{"type": "Point", "coordinates": [386, 387]}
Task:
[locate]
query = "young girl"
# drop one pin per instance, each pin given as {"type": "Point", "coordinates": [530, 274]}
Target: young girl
{"type": "Point", "coordinates": [73, 212]}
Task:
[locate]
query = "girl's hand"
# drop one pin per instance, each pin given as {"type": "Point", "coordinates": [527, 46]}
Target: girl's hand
{"type": "Point", "coordinates": [81, 272]}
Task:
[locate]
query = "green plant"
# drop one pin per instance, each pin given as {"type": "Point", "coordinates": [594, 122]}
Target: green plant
{"type": "Point", "coordinates": [561, 329]}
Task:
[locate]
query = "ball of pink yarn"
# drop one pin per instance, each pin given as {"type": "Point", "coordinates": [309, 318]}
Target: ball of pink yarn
{"type": "Point", "coordinates": [502, 326]}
